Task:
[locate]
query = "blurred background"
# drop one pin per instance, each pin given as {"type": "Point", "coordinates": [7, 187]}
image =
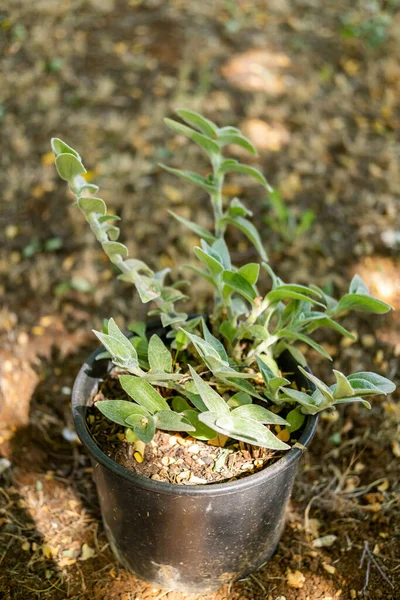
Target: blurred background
{"type": "Point", "coordinates": [316, 87]}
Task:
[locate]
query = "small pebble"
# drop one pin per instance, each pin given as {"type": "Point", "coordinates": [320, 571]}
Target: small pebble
{"type": "Point", "coordinates": [194, 449]}
{"type": "Point", "coordinates": [329, 568]}
{"type": "Point", "coordinates": [168, 460]}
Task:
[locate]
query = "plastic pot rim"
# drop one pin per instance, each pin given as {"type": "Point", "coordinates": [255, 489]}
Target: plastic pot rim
{"type": "Point", "coordinates": [160, 487]}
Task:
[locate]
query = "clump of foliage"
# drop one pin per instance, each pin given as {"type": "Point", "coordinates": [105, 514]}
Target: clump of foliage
{"type": "Point", "coordinates": [370, 22]}
{"type": "Point", "coordinates": [218, 375]}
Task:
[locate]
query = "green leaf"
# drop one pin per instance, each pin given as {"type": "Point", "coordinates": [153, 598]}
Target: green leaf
{"type": "Point", "coordinates": [201, 431]}
{"type": "Point", "coordinates": [228, 330]}
{"type": "Point", "coordinates": [106, 218]}
{"type": "Point", "coordinates": [116, 347]}
{"type": "Point", "coordinates": [239, 399]}
{"type": "Point", "coordinates": [160, 358]}
{"type": "Point", "coordinates": [266, 371]}
{"type": "Point", "coordinates": [249, 431]}
{"type": "Point", "coordinates": [214, 342]}
{"type": "Point", "coordinates": [197, 229]}
{"type": "Point", "coordinates": [139, 328]}
{"type": "Point", "coordinates": [119, 410]}
{"type": "Point", "coordinates": [258, 413]}
{"type": "Point", "coordinates": [69, 166]}
{"type": "Point", "coordinates": [249, 231]}
{"type": "Point", "coordinates": [295, 335]}
{"type": "Point", "coordinates": [295, 418]}
{"type": "Point", "coordinates": [237, 208]}
{"type": "Point", "coordinates": [60, 147]}
{"type": "Point", "coordinates": [201, 140]}
{"type": "Point", "coordinates": [246, 170]}
{"type": "Point", "coordinates": [143, 426]}
{"type": "Point", "coordinates": [92, 205]}
{"type": "Point", "coordinates": [196, 120]}
{"type": "Point", "coordinates": [250, 272]}
{"type": "Point", "coordinates": [361, 303]}
{"type": "Point", "coordinates": [180, 404]}
{"type": "Point", "coordinates": [213, 401]}
{"type": "Point", "coordinates": [115, 251]}
{"type": "Point", "coordinates": [229, 137]}
{"type": "Point", "coordinates": [168, 420]}
{"type": "Point", "coordinates": [239, 284]}
{"type": "Point", "coordinates": [342, 389]}
{"type": "Point", "coordinates": [191, 177]}
{"type": "Point", "coordinates": [283, 293]}
{"type": "Point", "coordinates": [143, 393]}
{"type": "Point", "coordinates": [381, 383]}
{"type": "Point", "coordinates": [320, 385]}
{"type": "Point", "coordinates": [213, 265]}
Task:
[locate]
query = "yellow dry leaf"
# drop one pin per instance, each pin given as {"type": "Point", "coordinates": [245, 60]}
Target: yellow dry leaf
{"type": "Point", "coordinates": [295, 579]}
{"type": "Point", "coordinates": [48, 551]}
{"type": "Point", "coordinates": [86, 552]}
{"type": "Point", "coordinates": [384, 485]}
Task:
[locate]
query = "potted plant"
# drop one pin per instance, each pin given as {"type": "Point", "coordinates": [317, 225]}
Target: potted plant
{"type": "Point", "coordinates": [196, 423]}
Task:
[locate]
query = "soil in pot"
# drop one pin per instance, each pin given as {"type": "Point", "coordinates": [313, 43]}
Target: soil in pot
{"type": "Point", "coordinates": [178, 458]}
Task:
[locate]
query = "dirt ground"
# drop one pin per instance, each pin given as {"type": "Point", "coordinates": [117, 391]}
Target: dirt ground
{"type": "Point", "coordinates": [323, 109]}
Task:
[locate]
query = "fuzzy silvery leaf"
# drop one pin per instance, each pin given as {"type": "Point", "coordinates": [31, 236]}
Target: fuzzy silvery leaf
{"type": "Point", "coordinates": [106, 218]}
{"type": "Point", "coordinates": [122, 353]}
{"type": "Point", "coordinates": [114, 331]}
{"type": "Point", "coordinates": [239, 284]}
{"type": "Point", "coordinates": [197, 229]}
{"type": "Point", "coordinates": [200, 430]}
{"type": "Point", "coordinates": [215, 343]}
{"type": "Point", "coordinates": [139, 266]}
{"type": "Point", "coordinates": [361, 303]}
{"type": "Point", "coordinates": [193, 119]}
{"type": "Point", "coordinates": [246, 170]}
{"type": "Point", "coordinates": [207, 352]}
{"type": "Point", "coordinates": [317, 320]}
{"type": "Point", "coordinates": [382, 383]}
{"type": "Point", "coordinates": [250, 272]}
{"type": "Point", "coordinates": [89, 188]}
{"type": "Point", "coordinates": [119, 410]}
{"type": "Point", "coordinates": [358, 286]}
{"type": "Point", "coordinates": [239, 384]}
{"type": "Point", "coordinates": [103, 355]}
{"type": "Point", "coordinates": [198, 138]}
{"type": "Point", "coordinates": [210, 397]}
{"type": "Point", "coordinates": [115, 251]}
{"type": "Point", "coordinates": [249, 231]}
{"type": "Point", "coordinates": [342, 389]}
{"type": "Point", "coordinates": [258, 413]}
{"type": "Point", "coordinates": [170, 318]}
{"type": "Point", "coordinates": [221, 251]}
{"type": "Point", "coordinates": [238, 209]}
{"type": "Point", "coordinates": [295, 335]}
{"type": "Point", "coordinates": [112, 232]}
{"type": "Point", "coordinates": [92, 205]}
{"type": "Point", "coordinates": [192, 395]}
{"type": "Point", "coordinates": [250, 431]}
{"type": "Point", "coordinates": [295, 418]}
{"type": "Point", "coordinates": [143, 426]}
{"type": "Point", "coordinates": [160, 358]}
{"type": "Point", "coordinates": [285, 292]}
{"type": "Point", "coordinates": [239, 399]}
{"type": "Point", "coordinates": [69, 166]}
{"type": "Point", "coordinates": [191, 177]}
{"type": "Point", "coordinates": [235, 138]}
{"type": "Point", "coordinates": [168, 420]}
{"type": "Point", "coordinates": [143, 393]}
{"type": "Point", "coordinates": [320, 385]}
{"type": "Point", "coordinates": [60, 147]}
{"type": "Point", "coordinates": [212, 264]}
{"type": "Point", "coordinates": [356, 399]}
{"type": "Point", "coordinates": [307, 403]}
{"type": "Point", "coordinates": [139, 328]}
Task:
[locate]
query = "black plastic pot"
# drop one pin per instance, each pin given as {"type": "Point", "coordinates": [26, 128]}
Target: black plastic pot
{"type": "Point", "coordinates": [188, 538]}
